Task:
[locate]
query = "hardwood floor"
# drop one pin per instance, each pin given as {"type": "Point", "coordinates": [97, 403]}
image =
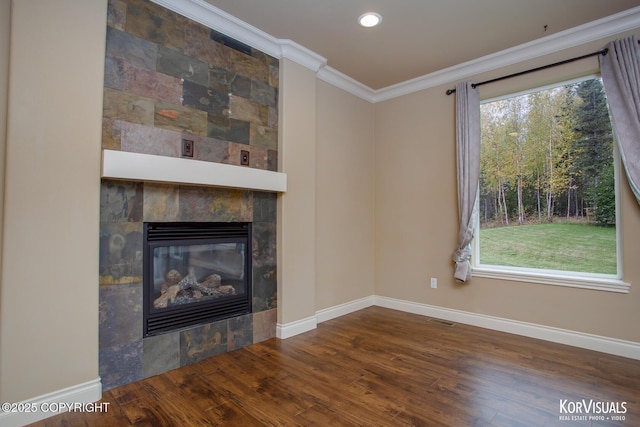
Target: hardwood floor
{"type": "Point", "coordinates": [380, 367]}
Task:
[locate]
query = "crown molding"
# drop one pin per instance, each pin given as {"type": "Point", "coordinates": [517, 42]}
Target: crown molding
{"type": "Point", "coordinates": [212, 17]}
{"type": "Point", "coordinates": [344, 82]}
{"type": "Point", "coordinates": [589, 32]}
{"type": "Point", "coordinates": [301, 55]}
{"type": "Point", "coordinates": [219, 20]}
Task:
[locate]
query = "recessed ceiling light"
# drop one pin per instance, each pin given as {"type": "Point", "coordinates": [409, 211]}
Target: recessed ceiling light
{"type": "Point", "coordinates": [369, 19]}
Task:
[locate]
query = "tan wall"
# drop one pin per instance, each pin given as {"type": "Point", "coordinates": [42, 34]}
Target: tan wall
{"type": "Point", "coordinates": [296, 207]}
{"type": "Point", "coordinates": [344, 197]}
{"type": "Point", "coordinates": [49, 297]}
{"type": "Point", "coordinates": [5, 34]}
{"type": "Point", "coordinates": [49, 313]}
{"type": "Point", "coordinates": [416, 218]}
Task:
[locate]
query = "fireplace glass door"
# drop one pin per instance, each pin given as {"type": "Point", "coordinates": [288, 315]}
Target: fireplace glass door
{"type": "Point", "coordinates": [195, 273]}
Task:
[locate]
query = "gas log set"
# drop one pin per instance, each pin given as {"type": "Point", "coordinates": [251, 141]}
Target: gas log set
{"type": "Point", "coordinates": [183, 290]}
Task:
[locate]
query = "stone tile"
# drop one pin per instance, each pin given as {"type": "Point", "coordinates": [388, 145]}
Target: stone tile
{"type": "Point", "coordinates": [160, 354]}
{"type": "Point", "coordinates": [111, 130]}
{"type": "Point", "coordinates": [114, 72]}
{"type": "Point", "coordinates": [264, 243]}
{"type": "Point", "coordinates": [120, 253]}
{"type": "Point", "coordinates": [272, 120]}
{"type": "Point", "coordinates": [120, 201]}
{"type": "Point", "coordinates": [200, 46]}
{"type": "Point", "coordinates": [150, 140]}
{"type": "Point", "coordinates": [240, 86]}
{"type": "Point", "coordinates": [152, 84]}
{"type": "Point", "coordinates": [219, 76]}
{"type": "Point", "coordinates": [120, 314]}
{"type": "Point", "coordinates": [230, 42]}
{"type": "Point", "coordinates": [239, 131]}
{"type": "Point", "coordinates": [215, 204]}
{"type": "Point", "coordinates": [116, 14]}
{"type": "Point", "coordinates": [209, 149]}
{"type": "Point", "coordinates": [274, 76]}
{"type": "Point", "coordinates": [120, 105]}
{"type": "Point", "coordinates": [265, 207]}
{"type": "Point", "coordinates": [265, 288]}
{"type": "Point", "coordinates": [249, 66]}
{"type": "Point", "coordinates": [213, 99]}
{"type": "Point", "coordinates": [264, 266]}
{"type": "Point", "coordinates": [240, 332]}
{"type": "Point", "coordinates": [228, 129]}
{"type": "Point", "coordinates": [272, 162]}
{"type": "Point", "coordinates": [264, 94]}
{"type": "Point", "coordinates": [180, 118]}
{"type": "Point", "coordinates": [221, 128]}
{"type": "Point", "coordinates": [177, 64]}
{"type": "Point", "coordinates": [202, 342]}
{"type": "Point", "coordinates": [161, 202]}
{"type": "Point", "coordinates": [218, 127]}
{"type": "Point", "coordinates": [268, 60]}
{"type": "Point", "coordinates": [120, 365]}
{"type": "Point", "coordinates": [258, 158]}
{"type": "Point", "coordinates": [264, 325]}
{"type": "Point", "coordinates": [262, 136]}
{"type": "Point", "coordinates": [155, 23]}
{"type": "Point", "coordinates": [136, 51]}
{"type": "Point", "coordinates": [249, 111]}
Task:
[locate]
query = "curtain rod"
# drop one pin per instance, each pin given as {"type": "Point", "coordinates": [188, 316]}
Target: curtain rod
{"type": "Point", "coordinates": [544, 67]}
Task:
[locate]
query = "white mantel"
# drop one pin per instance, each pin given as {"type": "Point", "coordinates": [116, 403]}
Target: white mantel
{"type": "Point", "coordinates": [148, 167]}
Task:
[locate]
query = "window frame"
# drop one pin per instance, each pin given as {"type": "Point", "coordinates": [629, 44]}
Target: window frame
{"type": "Point", "coordinates": [574, 279]}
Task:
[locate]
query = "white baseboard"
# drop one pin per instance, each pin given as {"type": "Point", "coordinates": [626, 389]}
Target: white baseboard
{"type": "Point", "coordinates": [291, 329]}
{"type": "Point", "coordinates": [563, 336]}
{"type": "Point", "coordinates": [288, 330]}
{"type": "Point", "coordinates": [48, 405]}
{"type": "Point", "coordinates": [608, 345]}
{"type": "Point", "coordinates": [342, 309]}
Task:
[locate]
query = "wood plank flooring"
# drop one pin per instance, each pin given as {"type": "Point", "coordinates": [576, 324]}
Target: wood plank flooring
{"type": "Point", "coordinates": [380, 367]}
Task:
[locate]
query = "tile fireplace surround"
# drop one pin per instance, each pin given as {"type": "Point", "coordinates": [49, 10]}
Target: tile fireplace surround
{"type": "Point", "coordinates": [124, 355]}
{"type": "Point", "coordinates": [166, 79]}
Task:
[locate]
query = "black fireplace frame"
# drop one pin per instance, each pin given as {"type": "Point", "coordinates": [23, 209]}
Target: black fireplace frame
{"type": "Point", "coordinates": [170, 319]}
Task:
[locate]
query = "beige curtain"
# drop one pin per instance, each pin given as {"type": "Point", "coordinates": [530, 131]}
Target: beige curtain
{"type": "Point", "coordinates": [620, 69]}
{"type": "Point", "coordinates": [468, 168]}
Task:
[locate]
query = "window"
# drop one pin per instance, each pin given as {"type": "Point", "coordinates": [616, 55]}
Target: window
{"type": "Point", "coordinates": [548, 183]}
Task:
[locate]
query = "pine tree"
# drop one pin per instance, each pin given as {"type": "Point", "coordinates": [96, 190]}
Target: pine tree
{"type": "Point", "coordinates": [594, 143]}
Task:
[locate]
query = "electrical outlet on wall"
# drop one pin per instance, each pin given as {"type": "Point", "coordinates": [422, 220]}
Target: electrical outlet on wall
{"type": "Point", "coordinates": [187, 148]}
{"type": "Point", "coordinates": [244, 158]}
{"type": "Point", "coordinates": [434, 283]}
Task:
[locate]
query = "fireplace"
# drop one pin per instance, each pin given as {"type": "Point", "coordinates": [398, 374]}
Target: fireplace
{"type": "Point", "coordinates": [194, 273]}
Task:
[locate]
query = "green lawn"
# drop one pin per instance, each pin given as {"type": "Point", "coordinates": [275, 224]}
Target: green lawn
{"type": "Point", "coordinates": [556, 246]}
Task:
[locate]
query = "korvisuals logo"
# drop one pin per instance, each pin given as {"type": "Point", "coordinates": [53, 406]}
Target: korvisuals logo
{"type": "Point", "coordinates": [592, 407]}
{"type": "Point", "coordinates": [591, 410]}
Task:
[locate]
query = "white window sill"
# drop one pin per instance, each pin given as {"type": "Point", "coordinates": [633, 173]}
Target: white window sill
{"type": "Point", "coordinates": [556, 278]}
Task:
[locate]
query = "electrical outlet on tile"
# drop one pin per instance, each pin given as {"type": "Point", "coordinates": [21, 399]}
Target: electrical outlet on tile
{"type": "Point", "coordinates": [434, 283]}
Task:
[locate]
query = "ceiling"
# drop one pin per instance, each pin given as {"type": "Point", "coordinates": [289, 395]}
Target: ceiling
{"type": "Point", "coordinates": [416, 37]}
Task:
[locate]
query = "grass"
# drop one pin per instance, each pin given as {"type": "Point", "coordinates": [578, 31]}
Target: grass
{"type": "Point", "coordinates": [557, 246]}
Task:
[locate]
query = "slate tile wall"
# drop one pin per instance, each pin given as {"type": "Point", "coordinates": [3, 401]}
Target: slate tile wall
{"type": "Point", "coordinates": [169, 78]}
{"type": "Point", "coordinates": [164, 72]}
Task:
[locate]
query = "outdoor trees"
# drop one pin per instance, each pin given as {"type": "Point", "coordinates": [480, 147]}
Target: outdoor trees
{"type": "Point", "coordinates": [548, 154]}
